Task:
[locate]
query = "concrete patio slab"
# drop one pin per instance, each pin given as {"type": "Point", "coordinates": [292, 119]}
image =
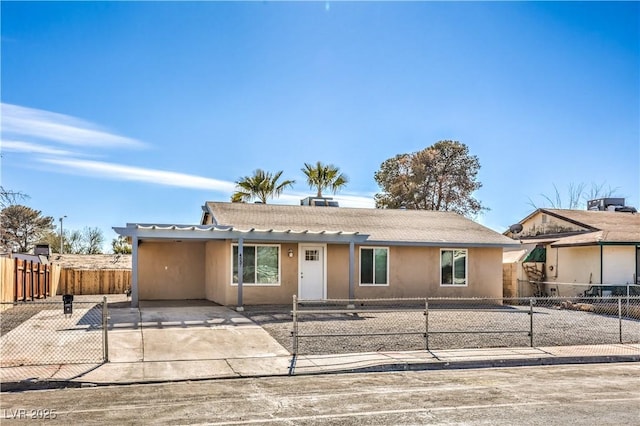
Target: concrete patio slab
{"type": "Point", "coordinates": [217, 343]}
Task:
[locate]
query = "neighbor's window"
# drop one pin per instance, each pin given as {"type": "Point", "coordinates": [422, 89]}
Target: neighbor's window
{"type": "Point", "coordinates": [453, 267]}
{"type": "Point", "coordinates": [374, 266]}
{"type": "Point", "coordinates": [261, 264]}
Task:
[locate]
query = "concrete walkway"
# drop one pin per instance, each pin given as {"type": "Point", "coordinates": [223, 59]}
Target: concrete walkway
{"type": "Point", "coordinates": [197, 340]}
{"type": "Point", "coordinates": [130, 372]}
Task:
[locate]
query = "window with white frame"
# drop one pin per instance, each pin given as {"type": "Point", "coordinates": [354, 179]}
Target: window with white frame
{"type": "Point", "coordinates": [374, 266]}
{"type": "Point", "coordinates": [453, 267]}
{"type": "Point", "coordinates": [260, 264]}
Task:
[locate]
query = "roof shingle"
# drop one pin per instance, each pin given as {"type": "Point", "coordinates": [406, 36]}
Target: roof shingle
{"type": "Point", "coordinates": [382, 225]}
{"type": "Point", "coordinates": [613, 226]}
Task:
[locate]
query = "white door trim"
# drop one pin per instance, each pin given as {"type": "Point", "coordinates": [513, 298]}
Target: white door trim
{"type": "Point", "coordinates": [301, 248]}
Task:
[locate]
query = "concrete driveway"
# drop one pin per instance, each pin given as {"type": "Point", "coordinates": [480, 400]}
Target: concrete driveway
{"type": "Point", "coordinates": [185, 330]}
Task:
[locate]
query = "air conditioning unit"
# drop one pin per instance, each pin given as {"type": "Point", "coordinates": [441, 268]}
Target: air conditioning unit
{"type": "Point", "coordinates": [319, 202]}
{"type": "Point", "coordinates": [604, 204]}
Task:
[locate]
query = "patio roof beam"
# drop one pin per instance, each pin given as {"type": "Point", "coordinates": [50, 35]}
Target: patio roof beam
{"type": "Point", "coordinates": [229, 234]}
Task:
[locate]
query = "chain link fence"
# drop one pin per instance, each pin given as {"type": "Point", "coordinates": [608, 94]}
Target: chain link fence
{"type": "Point", "coordinates": [370, 325]}
{"type": "Point", "coordinates": [41, 333]}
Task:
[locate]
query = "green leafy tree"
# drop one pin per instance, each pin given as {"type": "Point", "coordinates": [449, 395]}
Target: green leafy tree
{"type": "Point", "coordinates": [261, 185]}
{"type": "Point", "coordinates": [440, 177]}
{"type": "Point", "coordinates": [23, 227]}
{"type": "Point", "coordinates": [121, 245]}
{"type": "Point", "coordinates": [324, 176]}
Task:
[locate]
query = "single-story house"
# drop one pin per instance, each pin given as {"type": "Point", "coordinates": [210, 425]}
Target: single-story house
{"type": "Point", "coordinates": [264, 254]}
{"type": "Point", "coordinates": [571, 252]}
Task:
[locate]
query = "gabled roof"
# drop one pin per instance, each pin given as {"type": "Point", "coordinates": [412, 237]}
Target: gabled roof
{"type": "Point", "coordinates": [606, 226]}
{"type": "Point", "coordinates": [598, 220]}
{"type": "Point", "coordinates": [386, 226]}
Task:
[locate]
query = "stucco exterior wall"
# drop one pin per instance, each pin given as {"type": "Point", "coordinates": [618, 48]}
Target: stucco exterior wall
{"type": "Point", "coordinates": [282, 294]}
{"type": "Point", "coordinates": [171, 270]}
{"type": "Point", "coordinates": [567, 265]}
{"type": "Point", "coordinates": [618, 264]}
{"type": "Point", "coordinates": [216, 269]}
{"type": "Point", "coordinates": [223, 292]}
{"type": "Point", "coordinates": [415, 272]}
{"type": "Point", "coordinates": [203, 270]}
{"type": "Point", "coordinates": [338, 271]}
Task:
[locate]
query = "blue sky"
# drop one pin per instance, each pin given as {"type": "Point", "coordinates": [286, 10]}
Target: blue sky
{"type": "Point", "coordinates": [122, 112]}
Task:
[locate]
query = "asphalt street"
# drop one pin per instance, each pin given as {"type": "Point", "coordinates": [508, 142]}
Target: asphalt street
{"type": "Point", "coordinates": [544, 395]}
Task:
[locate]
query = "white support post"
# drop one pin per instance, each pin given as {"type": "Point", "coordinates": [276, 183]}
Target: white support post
{"type": "Point", "coordinates": [239, 306]}
{"type": "Point", "coordinates": [134, 271]}
{"type": "Point", "coordinates": [351, 274]}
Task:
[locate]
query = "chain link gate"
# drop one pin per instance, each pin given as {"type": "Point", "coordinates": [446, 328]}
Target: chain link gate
{"type": "Point", "coordinates": [40, 333]}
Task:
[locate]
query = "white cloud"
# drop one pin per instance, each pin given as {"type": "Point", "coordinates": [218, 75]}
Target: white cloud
{"type": "Point", "coordinates": [31, 123]}
{"type": "Point", "coordinates": [18, 146]}
{"type": "Point", "coordinates": [26, 130]}
{"type": "Point", "coordinates": [138, 174]}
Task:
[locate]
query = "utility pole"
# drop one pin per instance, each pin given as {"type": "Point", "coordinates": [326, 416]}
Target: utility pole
{"type": "Point", "coordinates": [62, 236]}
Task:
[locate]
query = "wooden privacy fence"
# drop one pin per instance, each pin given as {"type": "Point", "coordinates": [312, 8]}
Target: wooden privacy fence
{"type": "Point", "coordinates": [94, 281]}
{"type": "Point", "coordinates": [27, 280]}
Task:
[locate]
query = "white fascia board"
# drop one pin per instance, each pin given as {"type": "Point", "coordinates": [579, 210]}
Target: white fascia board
{"type": "Point", "coordinates": [447, 244]}
{"type": "Point", "coordinates": [193, 232]}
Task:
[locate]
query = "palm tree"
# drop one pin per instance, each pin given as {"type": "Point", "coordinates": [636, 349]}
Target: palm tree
{"type": "Point", "coordinates": [324, 176]}
{"type": "Point", "coordinates": [262, 185]}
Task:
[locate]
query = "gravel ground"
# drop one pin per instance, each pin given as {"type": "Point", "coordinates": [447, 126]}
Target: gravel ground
{"type": "Point", "coordinates": [449, 328]}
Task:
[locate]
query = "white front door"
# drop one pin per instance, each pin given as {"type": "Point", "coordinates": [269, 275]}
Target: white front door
{"type": "Point", "coordinates": [312, 284]}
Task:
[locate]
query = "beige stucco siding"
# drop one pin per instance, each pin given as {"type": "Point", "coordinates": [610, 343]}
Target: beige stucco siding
{"type": "Point", "coordinates": [338, 271]}
{"type": "Point", "coordinates": [281, 294]}
{"type": "Point", "coordinates": [618, 264]}
{"type": "Point", "coordinates": [415, 272]}
{"type": "Point", "coordinates": [221, 290]}
{"type": "Point", "coordinates": [216, 269]}
{"type": "Point", "coordinates": [171, 270]}
{"type": "Point", "coordinates": [568, 265]}
{"type": "Point", "coordinates": [203, 270]}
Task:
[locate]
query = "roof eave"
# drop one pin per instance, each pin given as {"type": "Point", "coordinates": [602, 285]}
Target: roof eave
{"type": "Point", "coordinates": [448, 244]}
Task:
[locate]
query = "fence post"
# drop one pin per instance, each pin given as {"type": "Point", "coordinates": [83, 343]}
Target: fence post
{"type": "Point", "coordinates": [531, 322]}
{"type": "Point", "coordinates": [620, 316]}
{"type": "Point", "coordinates": [626, 314]}
{"type": "Point", "coordinates": [294, 332]}
{"type": "Point", "coordinates": [47, 284]}
{"type": "Point", "coordinates": [426, 322]}
{"type": "Point", "coordinates": [105, 334]}
{"type": "Point", "coordinates": [31, 284]}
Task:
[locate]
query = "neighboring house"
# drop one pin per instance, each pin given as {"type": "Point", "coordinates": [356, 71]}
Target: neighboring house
{"type": "Point", "coordinates": [315, 253]}
{"type": "Point", "coordinates": [576, 251]}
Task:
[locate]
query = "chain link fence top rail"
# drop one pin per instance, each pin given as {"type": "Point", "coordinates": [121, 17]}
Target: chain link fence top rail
{"type": "Point", "coordinates": [343, 326]}
{"type": "Point", "coordinates": [39, 333]}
